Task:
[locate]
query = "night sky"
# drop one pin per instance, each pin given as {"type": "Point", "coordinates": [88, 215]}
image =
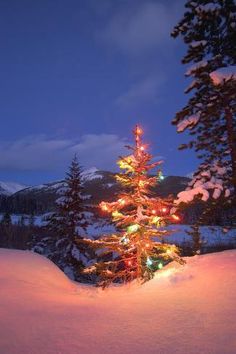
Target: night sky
{"type": "Point", "coordinates": [76, 76]}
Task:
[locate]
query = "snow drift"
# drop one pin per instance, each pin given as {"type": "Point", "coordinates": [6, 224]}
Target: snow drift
{"type": "Point", "coordinates": [189, 309]}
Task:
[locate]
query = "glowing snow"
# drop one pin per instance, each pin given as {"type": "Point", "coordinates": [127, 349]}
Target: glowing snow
{"type": "Point", "coordinates": [189, 309]}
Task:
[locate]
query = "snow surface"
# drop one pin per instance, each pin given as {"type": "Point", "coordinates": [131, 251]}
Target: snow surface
{"type": "Point", "coordinates": [39, 220]}
{"type": "Point", "coordinates": [9, 188]}
{"type": "Point", "coordinates": [184, 309]}
{"type": "Point", "coordinates": [211, 235]}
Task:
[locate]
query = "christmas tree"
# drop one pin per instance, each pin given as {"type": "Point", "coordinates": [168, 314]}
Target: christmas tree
{"type": "Point", "coordinates": [208, 28]}
{"type": "Point", "coordinates": [138, 249]}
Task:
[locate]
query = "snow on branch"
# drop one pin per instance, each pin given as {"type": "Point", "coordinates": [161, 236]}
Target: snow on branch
{"type": "Point", "coordinates": [188, 122]}
{"type": "Point", "coordinates": [205, 181]}
{"type": "Point", "coordinates": [210, 7]}
{"type": "Point", "coordinates": [223, 74]}
{"type": "Point", "coordinates": [195, 44]}
{"type": "Point", "coordinates": [196, 66]}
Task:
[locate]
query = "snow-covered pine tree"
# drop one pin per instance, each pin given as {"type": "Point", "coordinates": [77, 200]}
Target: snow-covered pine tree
{"type": "Point", "coordinates": [138, 249]}
{"type": "Point", "coordinates": [6, 219]}
{"type": "Point", "coordinates": [208, 28]}
{"type": "Point", "coordinates": [195, 234]}
{"type": "Point", "coordinates": [67, 224]}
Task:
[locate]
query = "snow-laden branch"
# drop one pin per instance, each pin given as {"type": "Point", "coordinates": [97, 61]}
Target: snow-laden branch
{"type": "Point", "coordinates": [223, 74]}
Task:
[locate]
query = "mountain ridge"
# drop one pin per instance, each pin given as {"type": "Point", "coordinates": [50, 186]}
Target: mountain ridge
{"type": "Point", "coordinates": [100, 185]}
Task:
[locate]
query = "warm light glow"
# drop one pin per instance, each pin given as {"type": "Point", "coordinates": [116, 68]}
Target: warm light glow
{"type": "Point", "coordinates": [121, 201]}
{"type": "Point", "coordinates": [160, 265]}
{"type": "Point", "coordinates": [104, 206]}
{"type": "Point", "coordinates": [153, 211]}
{"type": "Point", "coordinates": [166, 272]}
{"type": "Point", "coordinates": [156, 219]}
{"type": "Point", "coordinates": [116, 214]}
{"type": "Point", "coordinates": [142, 148]}
{"type": "Point", "coordinates": [176, 217]}
{"type": "Point", "coordinates": [164, 210]}
{"type": "Point", "coordinates": [141, 183]}
{"type": "Point", "coordinates": [139, 131]}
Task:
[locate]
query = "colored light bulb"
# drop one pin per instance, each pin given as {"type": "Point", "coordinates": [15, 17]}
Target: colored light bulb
{"type": "Point", "coordinates": [133, 228]}
{"type": "Point", "coordinates": [176, 217]}
{"type": "Point", "coordinates": [149, 262]}
{"type": "Point", "coordinates": [139, 131]}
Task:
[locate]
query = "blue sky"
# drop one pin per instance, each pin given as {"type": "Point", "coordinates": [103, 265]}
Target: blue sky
{"type": "Point", "coordinates": [77, 75]}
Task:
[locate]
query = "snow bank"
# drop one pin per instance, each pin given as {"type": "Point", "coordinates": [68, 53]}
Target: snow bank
{"type": "Point", "coordinates": [33, 269]}
{"type": "Point", "coordinates": [189, 309]}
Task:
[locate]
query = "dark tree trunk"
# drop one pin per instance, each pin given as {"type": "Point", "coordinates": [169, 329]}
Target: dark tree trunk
{"type": "Point", "coordinates": [232, 145]}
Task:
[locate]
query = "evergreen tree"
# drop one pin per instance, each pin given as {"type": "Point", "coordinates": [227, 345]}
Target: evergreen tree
{"type": "Point", "coordinates": [31, 220]}
{"type": "Point", "coordinates": [6, 220]}
{"type": "Point", "coordinates": [67, 225]}
{"type": "Point", "coordinates": [195, 234]}
{"type": "Point", "coordinates": [137, 250]}
{"type": "Point", "coordinates": [21, 221]}
{"type": "Point", "coordinates": [208, 28]}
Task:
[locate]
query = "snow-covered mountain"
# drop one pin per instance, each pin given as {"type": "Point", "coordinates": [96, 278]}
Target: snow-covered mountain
{"type": "Point", "coordinates": [91, 173]}
{"type": "Point", "coordinates": [100, 185]}
{"type": "Point", "coordinates": [87, 175]}
{"type": "Point", "coordinates": [9, 188]}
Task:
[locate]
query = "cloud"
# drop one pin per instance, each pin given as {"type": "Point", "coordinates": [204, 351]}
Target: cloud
{"type": "Point", "coordinates": [146, 27]}
{"type": "Point", "coordinates": [40, 153]}
{"type": "Point", "coordinates": [144, 91]}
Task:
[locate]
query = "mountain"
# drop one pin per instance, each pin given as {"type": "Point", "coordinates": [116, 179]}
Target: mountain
{"type": "Point", "coordinates": [99, 185]}
{"type": "Point", "coordinates": [9, 188]}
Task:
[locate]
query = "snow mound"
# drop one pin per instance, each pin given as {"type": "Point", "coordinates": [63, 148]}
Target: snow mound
{"type": "Point", "coordinates": [184, 309]}
{"type": "Point", "coordinates": [30, 268]}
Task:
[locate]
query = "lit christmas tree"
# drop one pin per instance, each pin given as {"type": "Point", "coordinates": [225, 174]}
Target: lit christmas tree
{"type": "Point", "coordinates": [137, 250]}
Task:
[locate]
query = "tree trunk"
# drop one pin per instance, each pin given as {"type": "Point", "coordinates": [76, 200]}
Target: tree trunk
{"type": "Point", "coordinates": [232, 146]}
